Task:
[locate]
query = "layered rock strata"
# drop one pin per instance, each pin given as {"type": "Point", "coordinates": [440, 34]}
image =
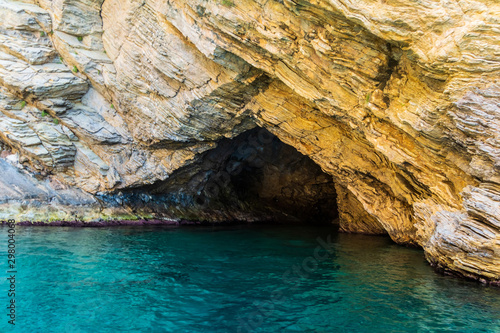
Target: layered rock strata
{"type": "Point", "coordinates": [398, 102]}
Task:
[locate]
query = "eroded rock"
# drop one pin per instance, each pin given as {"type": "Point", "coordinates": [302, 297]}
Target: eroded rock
{"type": "Point", "coordinates": [398, 102]}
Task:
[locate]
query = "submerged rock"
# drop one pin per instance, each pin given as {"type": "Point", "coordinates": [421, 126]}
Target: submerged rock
{"type": "Point", "coordinates": [138, 108]}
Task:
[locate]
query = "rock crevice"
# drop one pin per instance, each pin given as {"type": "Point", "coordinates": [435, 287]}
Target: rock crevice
{"type": "Point", "coordinates": [396, 103]}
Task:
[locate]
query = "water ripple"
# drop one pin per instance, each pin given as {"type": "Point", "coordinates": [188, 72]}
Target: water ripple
{"type": "Point", "coordinates": [154, 279]}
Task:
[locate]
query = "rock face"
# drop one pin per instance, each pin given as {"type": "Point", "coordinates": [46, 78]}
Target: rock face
{"type": "Point", "coordinates": [397, 102]}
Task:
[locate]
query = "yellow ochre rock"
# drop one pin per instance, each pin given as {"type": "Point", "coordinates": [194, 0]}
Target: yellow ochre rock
{"type": "Point", "coordinates": [397, 102]}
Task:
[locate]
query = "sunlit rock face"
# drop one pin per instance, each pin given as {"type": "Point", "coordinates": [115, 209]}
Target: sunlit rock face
{"type": "Point", "coordinates": [398, 102]}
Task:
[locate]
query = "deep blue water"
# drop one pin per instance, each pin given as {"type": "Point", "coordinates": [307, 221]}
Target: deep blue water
{"type": "Point", "coordinates": [201, 279]}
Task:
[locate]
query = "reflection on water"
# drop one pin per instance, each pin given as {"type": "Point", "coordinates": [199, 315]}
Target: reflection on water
{"type": "Point", "coordinates": [157, 279]}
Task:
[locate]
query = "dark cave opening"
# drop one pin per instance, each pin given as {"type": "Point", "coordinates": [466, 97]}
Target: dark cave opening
{"type": "Point", "coordinates": [275, 176]}
{"type": "Point", "coordinates": [253, 177]}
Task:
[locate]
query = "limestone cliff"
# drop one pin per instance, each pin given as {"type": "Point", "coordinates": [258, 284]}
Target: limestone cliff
{"type": "Point", "coordinates": [140, 107]}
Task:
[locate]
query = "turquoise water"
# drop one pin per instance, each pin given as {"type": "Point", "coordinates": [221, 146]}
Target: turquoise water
{"type": "Point", "coordinates": [202, 279]}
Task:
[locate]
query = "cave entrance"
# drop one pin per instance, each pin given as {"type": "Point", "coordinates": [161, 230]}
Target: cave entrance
{"type": "Point", "coordinates": [256, 177]}
{"type": "Point", "coordinates": [253, 177]}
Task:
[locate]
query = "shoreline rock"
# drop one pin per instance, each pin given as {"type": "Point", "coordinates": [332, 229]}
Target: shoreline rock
{"type": "Point", "coordinates": [394, 106]}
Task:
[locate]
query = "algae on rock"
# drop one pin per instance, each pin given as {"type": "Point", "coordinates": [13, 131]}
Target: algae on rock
{"type": "Point", "coordinates": [398, 102]}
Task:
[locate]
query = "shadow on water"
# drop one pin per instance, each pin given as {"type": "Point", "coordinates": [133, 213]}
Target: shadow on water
{"type": "Point", "coordinates": [209, 279]}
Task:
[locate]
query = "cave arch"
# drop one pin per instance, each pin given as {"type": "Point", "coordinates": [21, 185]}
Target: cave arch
{"type": "Point", "coordinates": [253, 177]}
{"type": "Point", "coordinates": [272, 179]}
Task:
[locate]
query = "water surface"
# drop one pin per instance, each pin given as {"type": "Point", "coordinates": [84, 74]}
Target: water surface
{"type": "Point", "coordinates": [202, 279]}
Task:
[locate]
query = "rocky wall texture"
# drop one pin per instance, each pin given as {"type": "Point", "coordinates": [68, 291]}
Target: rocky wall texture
{"type": "Point", "coordinates": [397, 101]}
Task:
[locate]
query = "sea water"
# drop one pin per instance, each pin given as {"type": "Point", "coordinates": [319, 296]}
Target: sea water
{"type": "Point", "coordinates": [232, 279]}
